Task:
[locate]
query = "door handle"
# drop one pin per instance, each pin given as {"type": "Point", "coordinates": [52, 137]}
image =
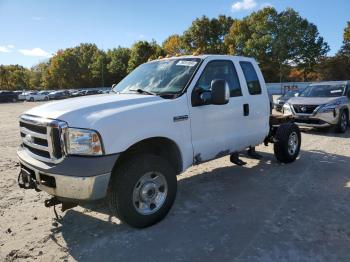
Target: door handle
{"type": "Point", "coordinates": [246, 109]}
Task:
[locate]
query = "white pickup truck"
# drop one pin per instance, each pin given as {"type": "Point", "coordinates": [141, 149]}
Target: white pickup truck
{"type": "Point", "coordinates": [129, 145]}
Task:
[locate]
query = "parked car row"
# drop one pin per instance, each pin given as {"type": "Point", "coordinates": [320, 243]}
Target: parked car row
{"type": "Point", "coordinates": [8, 96]}
{"type": "Point", "coordinates": [31, 96]}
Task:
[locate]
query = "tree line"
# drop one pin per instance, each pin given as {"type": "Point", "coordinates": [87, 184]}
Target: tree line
{"type": "Point", "coordinates": [287, 46]}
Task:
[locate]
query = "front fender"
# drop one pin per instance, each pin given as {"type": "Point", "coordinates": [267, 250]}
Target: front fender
{"type": "Point", "coordinates": [122, 130]}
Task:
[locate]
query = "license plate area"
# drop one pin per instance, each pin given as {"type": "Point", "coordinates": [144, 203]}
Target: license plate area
{"type": "Point", "coordinates": [303, 117]}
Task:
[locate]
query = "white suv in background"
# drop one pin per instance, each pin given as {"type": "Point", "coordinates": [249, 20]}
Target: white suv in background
{"type": "Point", "coordinates": [321, 104]}
{"type": "Point", "coordinates": [37, 96]}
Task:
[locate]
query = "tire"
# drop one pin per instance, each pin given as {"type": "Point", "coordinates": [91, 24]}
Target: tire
{"type": "Point", "coordinates": [46, 98]}
{"type": "Point", "coordinates": [133, 181]}
{"type": "Point", "coordinates": [287, 143]}
{"type": "Point", "coordinates": [14, 100]}
{"type": "Point", "coordinates": [31, 99]}
{"type": "Point", "coordinates": [343, 122]}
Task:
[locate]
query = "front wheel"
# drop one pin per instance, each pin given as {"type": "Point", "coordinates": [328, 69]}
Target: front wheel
{"type": "Point", "coordinates": [31, 99]}
{"type": "Point", "coordinates": [142, 190]}
{"type": "Point", "coordinates": [343, 122]}
{"type": "Point", "coordinates": [287, 142]}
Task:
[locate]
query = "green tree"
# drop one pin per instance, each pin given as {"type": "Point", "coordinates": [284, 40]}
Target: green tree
{"type": "Point", "coordinates": [80, 66]}
{"type": "Point", "coordinates": [64, 70]}
{"type": "Point", "coordinates": [142, 51]}
{"type": "Point", "coordinates": [306, 46]}
{"type": "Point", "coordinates": [207, 35]}
{"type": "Point", "coordinates": [334, 68]}
{"type": "Point", "coordinates": [117, 66]}
{"type": "Point", "coordinates": [14, 77]}
{"type": "Point", "coordinates": [36, 75]}
{"type": "Point", "coordinates": [90, 65]}
{"type": "Point", "coordinates": [338, 66]}
{"type": "Point", "coordinates": [345, 49]}
{"type": "Point", "coordinates": [278, 41]}
{"type": "Point", "coordinates": [254, 36]}
{"type": "Point", "coordinates": [174, 45]}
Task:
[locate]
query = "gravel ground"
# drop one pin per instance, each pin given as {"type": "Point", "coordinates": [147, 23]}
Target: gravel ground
{"type": "Point", "coordinates": [264, 211]}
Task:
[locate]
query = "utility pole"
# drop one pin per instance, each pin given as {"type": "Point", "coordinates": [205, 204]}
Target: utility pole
{"type": "Point", "coordinates": [103, 80]}
{"type": "Point", "coordinates": [102, 76]}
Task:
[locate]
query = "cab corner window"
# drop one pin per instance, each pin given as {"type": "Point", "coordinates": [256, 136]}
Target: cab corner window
{"type": "Point", "coordinates": [220, 69]}
{"type": "Point", "coordinates": [251, 77]}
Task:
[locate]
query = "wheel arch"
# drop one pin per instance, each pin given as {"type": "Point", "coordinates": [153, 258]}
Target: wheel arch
{"type": "Point", "coordinates": [160, 146]}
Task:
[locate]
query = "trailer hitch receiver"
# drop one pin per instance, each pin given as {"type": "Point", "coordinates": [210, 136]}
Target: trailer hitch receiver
{"type": "Point", "coordinates": [52, 202]}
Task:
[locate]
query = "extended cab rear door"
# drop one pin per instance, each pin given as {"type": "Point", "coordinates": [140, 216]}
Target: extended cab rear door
{"type": "Point", "coordinates": [256, 100]}
{"type": "Point", "coordinates": [218, 129]}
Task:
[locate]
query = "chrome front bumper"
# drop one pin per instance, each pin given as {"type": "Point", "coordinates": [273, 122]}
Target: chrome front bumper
{"type": "Point", "coordinates": [71, 179]}
{"type": "Point", "coordinates": [70, 187]}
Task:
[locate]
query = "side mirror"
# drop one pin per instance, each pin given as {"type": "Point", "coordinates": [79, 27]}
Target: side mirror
{"type": "Point", "coordinates": [220, 92]}
{"type": "Point", "coordinates": [113, 86]}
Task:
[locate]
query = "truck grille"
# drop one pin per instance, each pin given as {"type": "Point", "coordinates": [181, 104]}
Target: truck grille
{"type": "Point", "coordinates": [304, 109]}
{"type": "Point", "coordinates": [43, 138]}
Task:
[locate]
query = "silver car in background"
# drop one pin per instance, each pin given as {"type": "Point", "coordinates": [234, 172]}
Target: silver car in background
{"type": "Point", "coordinates": [321, 104]}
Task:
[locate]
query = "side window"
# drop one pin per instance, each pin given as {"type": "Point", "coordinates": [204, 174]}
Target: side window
{"type": "Point", "coordinates": [220, 69]}
{"type": "Point", "coordinates": [251, 77]}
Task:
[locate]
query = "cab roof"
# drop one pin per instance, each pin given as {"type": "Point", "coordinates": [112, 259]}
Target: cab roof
{"type": "Point", "coordinates": [205, 56]}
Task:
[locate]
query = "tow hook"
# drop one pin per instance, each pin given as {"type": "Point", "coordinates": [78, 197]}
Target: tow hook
{"type": "Point", "coordinates": [25, 180]}
{"type": "Point", "coordinates": [55, 201]}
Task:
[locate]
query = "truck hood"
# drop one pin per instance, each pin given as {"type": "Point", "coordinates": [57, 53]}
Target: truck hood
{"type": "Point", "coordinates": [312, 100]}
{"type": "Point", "coordinates": [73, 109]}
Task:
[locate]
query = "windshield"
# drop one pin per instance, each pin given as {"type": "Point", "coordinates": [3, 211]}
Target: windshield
{"type": "Point", "coordinates": [334, 90]}
{"type": "Point", "coordinates": [290, 94]}
{"type": "Point", "coordinates": [159, 77]}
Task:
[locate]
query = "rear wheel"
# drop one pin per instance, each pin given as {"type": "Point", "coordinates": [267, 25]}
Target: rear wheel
{"type": "Point", "coordinates": [46, 98]}
{"type": "Point", "coordinates": [343, 122]}
{"type": "Point", "coordinates": [31, 99]}
{"type": "Point", "coordinates": [142, 190]}
{"type": "Point", "coordinates": [287, 143]}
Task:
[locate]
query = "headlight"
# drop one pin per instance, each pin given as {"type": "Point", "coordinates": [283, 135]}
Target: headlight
{"type": "Point", "coordinates": [328, 108]}
{"type": "Point", "coordinates": [83, 142]}
{"type": "Point", "coordinates": [287, 109]}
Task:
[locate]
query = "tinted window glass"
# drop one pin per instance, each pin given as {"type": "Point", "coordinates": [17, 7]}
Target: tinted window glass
{"type": "Point", "coordinates": [251, 77]}
{"type": "Point", "coordinates": [220, 69]}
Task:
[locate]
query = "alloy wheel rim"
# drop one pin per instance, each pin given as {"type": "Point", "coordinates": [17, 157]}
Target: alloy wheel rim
{"type": "Point", "coordinates": [293, 142]}
{"type": "Point", "coordinates": [150, 193]}
{"type": "Point", "coordinates": [343, 121]}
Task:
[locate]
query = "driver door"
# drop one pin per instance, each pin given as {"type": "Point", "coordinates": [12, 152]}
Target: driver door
{"type": "Point", "coordinates": [217, 130]}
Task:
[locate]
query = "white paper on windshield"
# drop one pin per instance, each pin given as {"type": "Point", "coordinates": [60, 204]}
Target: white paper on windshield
{"type": "Point", "coordinates": [336, 91]}
{"type": "Point", "coordinates": [186, 63]}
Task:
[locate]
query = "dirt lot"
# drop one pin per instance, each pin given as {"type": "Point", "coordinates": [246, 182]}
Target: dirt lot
{"type": "Point", "coordinates": [264, 211]}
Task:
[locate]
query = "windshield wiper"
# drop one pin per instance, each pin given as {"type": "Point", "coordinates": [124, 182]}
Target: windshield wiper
{"type": "Point", "coordinates": [141, 91]}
